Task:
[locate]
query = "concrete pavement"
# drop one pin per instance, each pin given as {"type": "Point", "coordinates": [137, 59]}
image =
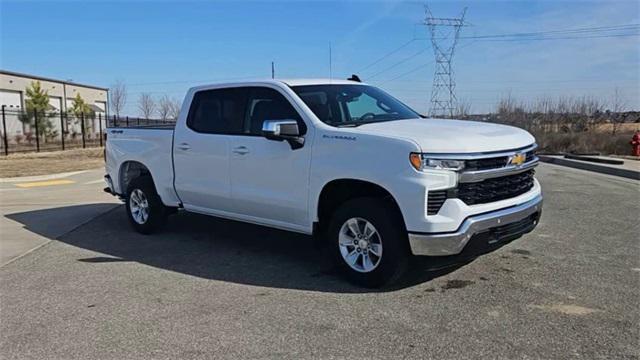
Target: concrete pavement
{"type": "Point", "coordinates": [206, 289]}
{"type": "Point", "coordinates": [78, 196]}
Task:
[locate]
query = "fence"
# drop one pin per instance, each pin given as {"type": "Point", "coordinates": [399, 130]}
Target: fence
{"type": "Point", "coordinates": [126, 121]}
{"type": "Point", "coordinates": [24, 131]}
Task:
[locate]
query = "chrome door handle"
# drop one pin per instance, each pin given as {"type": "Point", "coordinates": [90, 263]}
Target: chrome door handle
{"type": "Point", "coordinates": [240, 150]}
{"type": "Point", "coordinates": [184, 146]}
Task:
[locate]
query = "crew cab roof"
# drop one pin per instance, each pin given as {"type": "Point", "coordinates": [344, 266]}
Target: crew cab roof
{"type": "Point", "coordinates": [300, 82]}
{"type": "Point", "coordinates": [288, 82]}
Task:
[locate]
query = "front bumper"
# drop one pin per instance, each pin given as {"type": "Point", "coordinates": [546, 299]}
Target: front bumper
{"type": "Point", "coordinates": [493, 226]}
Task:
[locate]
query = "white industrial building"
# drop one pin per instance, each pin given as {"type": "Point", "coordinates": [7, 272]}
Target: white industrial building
{"type": "Point", "coordinates": [61, 93]}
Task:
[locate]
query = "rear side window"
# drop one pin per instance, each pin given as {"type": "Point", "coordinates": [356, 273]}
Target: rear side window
{"type": "Point", "coordinates": [218, 111]}
{"type": "Point", "coordinates": [268, 104]}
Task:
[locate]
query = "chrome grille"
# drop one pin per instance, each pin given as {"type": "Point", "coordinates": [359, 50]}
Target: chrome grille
{"type": "Point", "coordinates": [530, 155]}
{"type": "Point", "coordinates": [486, 163]}
{"type": "Point", "coordinates": [493, 162]}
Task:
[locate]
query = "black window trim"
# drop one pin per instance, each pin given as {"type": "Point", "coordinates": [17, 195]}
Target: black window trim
{"type": "Point", "coordinates": [247, 96]}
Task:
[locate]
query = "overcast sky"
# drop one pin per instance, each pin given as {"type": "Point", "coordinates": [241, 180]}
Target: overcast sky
{"type": "Point", "coordinates": [165, 47]}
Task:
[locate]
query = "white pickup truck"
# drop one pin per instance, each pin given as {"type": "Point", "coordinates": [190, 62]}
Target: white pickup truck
{"type": "Point", "coordinates": [341, 160]}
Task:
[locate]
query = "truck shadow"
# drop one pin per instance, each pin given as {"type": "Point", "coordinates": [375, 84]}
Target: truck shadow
{"type": "Point", "coordinates": [217, 249]}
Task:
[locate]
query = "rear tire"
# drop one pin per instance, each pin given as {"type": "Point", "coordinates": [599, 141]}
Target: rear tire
{"type": "Point", "coordinates": [145, 209]}
{"type": "Point", "coordinates": [368, 242]}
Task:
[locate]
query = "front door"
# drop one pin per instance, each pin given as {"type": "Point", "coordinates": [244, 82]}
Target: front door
{"type": "Point", "coordinates": [269, 180]}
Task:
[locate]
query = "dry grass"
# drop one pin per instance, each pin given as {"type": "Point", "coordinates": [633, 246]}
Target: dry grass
{"type": "Point", "coordinates": [50, 162]}
{"type": "Point", "coordinates": [584, 142]}
{"type": "Point", "coordinates": [622, 128]}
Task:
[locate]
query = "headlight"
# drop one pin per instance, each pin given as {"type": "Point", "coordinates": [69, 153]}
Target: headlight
{"type": "Point", "coordinates": [421, 162]}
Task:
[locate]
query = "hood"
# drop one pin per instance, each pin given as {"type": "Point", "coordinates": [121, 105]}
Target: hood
{"type": "Point", "coordinates": [452, 136]}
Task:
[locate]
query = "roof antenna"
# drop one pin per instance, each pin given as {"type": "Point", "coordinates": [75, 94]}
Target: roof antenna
{"type": "Point", "coordinates": [273, 71]}
{"type": "Point", "coordinates": [355, 78]}
{"type": "Point", "coordinates": [330, 63]}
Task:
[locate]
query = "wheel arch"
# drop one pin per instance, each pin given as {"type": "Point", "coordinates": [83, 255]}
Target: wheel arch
{"type": "Point", "coordinates": [130, 170]}
{"type": "Point", "coordinates": [338, 191]}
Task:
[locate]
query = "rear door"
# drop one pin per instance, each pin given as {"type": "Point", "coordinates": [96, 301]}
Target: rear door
{"type": "Point", "coordinates": [269, 180]}
{"type": "Point", "coordinates": [201, 149]}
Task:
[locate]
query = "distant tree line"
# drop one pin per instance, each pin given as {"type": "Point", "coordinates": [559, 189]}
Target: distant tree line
{"type": "Point", "coordinates": [163, 108]}
{"type": "Point", "coordinates": [566, 124]}
{"type": "Point", "coordinates": [563, 114]}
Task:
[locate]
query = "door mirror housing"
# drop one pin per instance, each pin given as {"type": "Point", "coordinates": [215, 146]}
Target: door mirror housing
{"type": "Point", "coordinates": [280, 130]}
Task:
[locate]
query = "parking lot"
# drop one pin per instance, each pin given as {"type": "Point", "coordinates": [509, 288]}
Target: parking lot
{"type": "Point", "coordinates": [206, 288]}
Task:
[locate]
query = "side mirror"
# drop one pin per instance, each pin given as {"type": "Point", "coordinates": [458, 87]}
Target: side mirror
{"type": "Point", "coordinates": [280, 130]}
{"type": "Point", "coordinates": [277, 129]}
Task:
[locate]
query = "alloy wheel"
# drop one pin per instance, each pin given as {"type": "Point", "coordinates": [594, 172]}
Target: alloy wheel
{"type": "Point", "coordinates": [360, 245]}
{"type": "Point", "coordinates": [139, 206]}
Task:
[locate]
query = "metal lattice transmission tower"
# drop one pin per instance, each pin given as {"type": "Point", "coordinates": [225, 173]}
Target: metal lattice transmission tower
{"type": "Point", "coordinates": [444, 37]}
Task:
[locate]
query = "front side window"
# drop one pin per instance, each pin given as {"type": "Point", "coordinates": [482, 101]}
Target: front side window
{"type": "Point", "coordinates": [268, 104]}
{"type": "Point", "coordinates": [218, 111]}
{"type": "Point", "coordinates": [352, 105]}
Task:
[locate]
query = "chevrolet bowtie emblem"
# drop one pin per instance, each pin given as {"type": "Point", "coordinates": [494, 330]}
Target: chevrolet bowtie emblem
{"type": "Point", "coordinates": [517, 159]}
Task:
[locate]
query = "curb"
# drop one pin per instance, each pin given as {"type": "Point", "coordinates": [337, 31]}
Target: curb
{"type": "Point", "coordinates": [625, 173]}
{"type": "Point", "coordinates": [600, 160]}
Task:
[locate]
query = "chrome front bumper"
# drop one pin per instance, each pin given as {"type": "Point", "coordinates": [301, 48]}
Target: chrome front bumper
{"type": "Point", "coordinates": [453, 243]}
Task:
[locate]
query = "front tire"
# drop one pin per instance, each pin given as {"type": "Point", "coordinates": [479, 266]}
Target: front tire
{"type": "Point", "coordinates": [368, 242]}
{"type": "Point", "coordinates": [145, 209]}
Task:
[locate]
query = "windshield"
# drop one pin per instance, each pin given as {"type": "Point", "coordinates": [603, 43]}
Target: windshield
{"type": "Point", "coordinates": [352, 105]}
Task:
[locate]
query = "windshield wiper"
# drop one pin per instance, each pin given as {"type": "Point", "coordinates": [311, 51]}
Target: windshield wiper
{"type": "Point", "coordinates": [354, 124]}
{"type": "Point", "coordinates": [358, 123]}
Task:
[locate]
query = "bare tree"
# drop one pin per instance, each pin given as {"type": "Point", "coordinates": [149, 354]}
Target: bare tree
{"type": "Point", "coordinates": [164, 107]}
{"type": "Point", "coordinates": [462, 109]}
{"type": "Point", "coordinates": [146, 105]}
{"type": "Point", "coordinates": [118, 97]}
{"type": "Point", "coordinates": [618, 104]}
{"type": "Point", "coordinates": [175, 109]}
{"type": "Point", "coordinates": [512, 112]}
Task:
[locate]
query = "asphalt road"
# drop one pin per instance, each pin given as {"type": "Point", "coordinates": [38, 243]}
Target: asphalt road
{"type": "Point", "coordinates": [207, 288]}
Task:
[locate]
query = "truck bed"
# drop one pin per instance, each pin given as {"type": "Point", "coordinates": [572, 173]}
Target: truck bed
{"type": "Point", "coordinates": [150, 145]}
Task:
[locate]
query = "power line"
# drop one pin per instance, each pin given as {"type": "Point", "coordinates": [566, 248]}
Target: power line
{"type": "Point", "coordinates": [526, 90]}
{"type": "Point", "coordinates": [524, 35]}
{"type": "Point", "coordinates": [387, 55]}
{"type": "Point", "coordinates": [579, 33]}
{"type": "Point", "coordinates": [396, 64]}
{"type": "Point", "coordinates": [479, 39]}
{"type": "Point", "coordinates": [419, 67]}
{"type": "Point", "coordinates": [566, 31]}
{"type": "Point", "coordinates": [563, 38]}
{"type": "Point", "coordinates": [408, 72]}
{"type": "Point", "coordinates": [540, 81]}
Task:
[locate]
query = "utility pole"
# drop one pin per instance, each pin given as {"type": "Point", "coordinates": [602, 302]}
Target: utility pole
{"type": "Point", "coordinates": [444, 37]}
